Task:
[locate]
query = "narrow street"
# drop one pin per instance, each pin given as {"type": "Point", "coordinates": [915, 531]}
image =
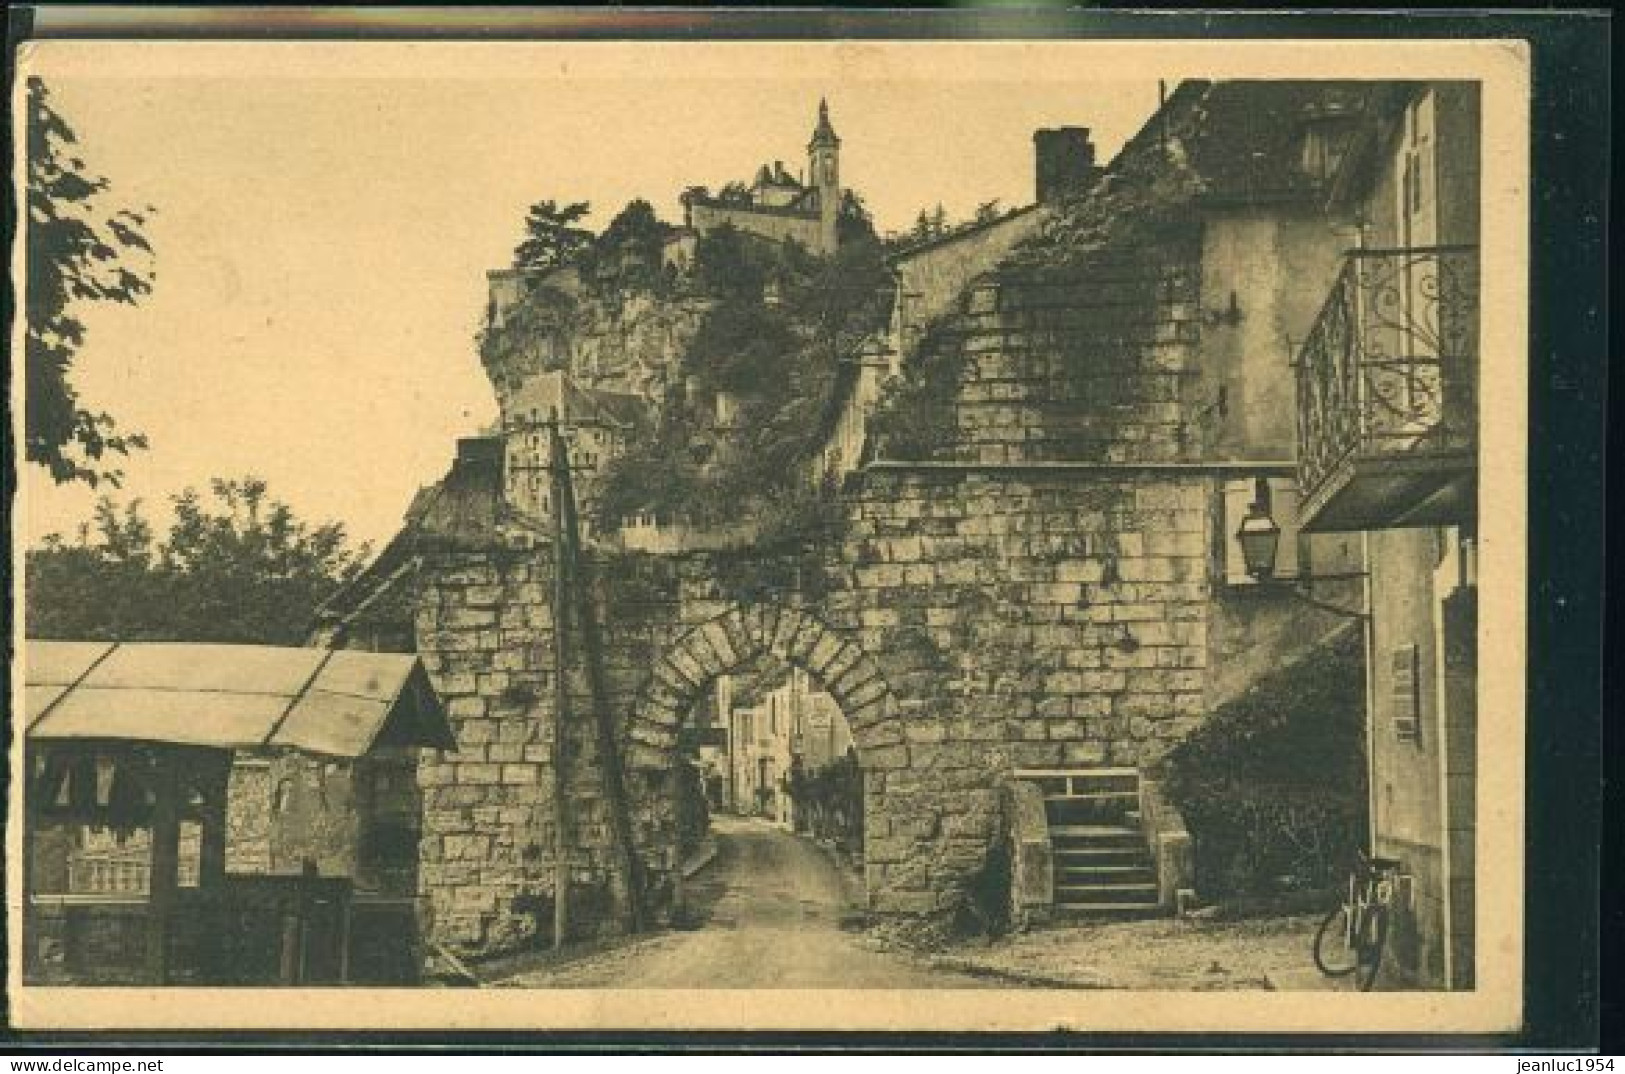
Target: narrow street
{"type": "Point", "coordinates": [771, 907]}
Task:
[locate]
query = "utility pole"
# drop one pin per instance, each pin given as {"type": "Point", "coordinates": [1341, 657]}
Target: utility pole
{"type": "Point", "coordinates": [609, 754]}
{"type": "Point", "coordinates": [561, 699]}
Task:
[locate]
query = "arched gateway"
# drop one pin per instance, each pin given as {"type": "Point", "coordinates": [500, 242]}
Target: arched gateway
{"type": "Point", "coordinates": [724, 643]}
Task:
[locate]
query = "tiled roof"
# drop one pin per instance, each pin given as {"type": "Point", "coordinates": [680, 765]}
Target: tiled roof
{"type": "Point", "coordinates": [463, 511]}
{"type": "Point", "coordinates": [1243, 138]}
{"type": "Point", "coordinates": [620, 409]}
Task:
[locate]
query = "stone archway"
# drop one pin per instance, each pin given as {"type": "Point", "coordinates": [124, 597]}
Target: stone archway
{"type": "Point", "coordinates": [720, 644]}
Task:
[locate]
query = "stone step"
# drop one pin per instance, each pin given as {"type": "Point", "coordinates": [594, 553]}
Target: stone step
{"type": "Point", "coordinates": [1106, 909]}
{"type": "Point", "coordinates": [1108, 832]}
{"type": "Point", "coordinates": [1112, 893]}
{"type": "Point", "coordinates": [1092, 795]}
{"type": "Point", "coordinates": [1103, 858]}
{"type": "Point", "coordinates": [1098, 812]}
{"type": "Point", "coordinates": [1129, 887]}
{"type": "Point", "coordinates": [1106, 874]}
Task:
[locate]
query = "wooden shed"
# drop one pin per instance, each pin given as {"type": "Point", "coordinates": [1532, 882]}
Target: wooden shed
{"type": "Point", "coordinates": [140, 737]}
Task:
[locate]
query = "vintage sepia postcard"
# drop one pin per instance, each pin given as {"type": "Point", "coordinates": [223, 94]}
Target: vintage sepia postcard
{"type": "Point", "coordinates": [812, 535]}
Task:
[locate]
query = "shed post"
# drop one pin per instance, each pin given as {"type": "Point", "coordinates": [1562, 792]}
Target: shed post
{"type": "Point", "coordinates": [215, 783]}
{"type": "Point", "coordinates": [162, 879]}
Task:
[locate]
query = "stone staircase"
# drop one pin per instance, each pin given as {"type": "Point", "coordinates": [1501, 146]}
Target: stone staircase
{"type": "Point", "coordinates": [1103, 864]}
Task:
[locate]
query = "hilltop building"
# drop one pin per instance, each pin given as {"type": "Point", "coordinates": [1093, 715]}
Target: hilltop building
{"type": "Point", "coordinates": [780, 206]}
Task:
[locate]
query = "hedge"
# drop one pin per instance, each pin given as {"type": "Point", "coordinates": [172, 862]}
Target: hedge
{"type": "Point", "coordinates": [1272, 786]}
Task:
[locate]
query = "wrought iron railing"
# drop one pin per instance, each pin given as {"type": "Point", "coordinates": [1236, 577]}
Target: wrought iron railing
{"type": "Point", "coordinates": [1390, 367]}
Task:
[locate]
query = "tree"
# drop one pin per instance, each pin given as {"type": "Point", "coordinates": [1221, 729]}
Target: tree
{"type": "Point", "coordinates": [551, 237]}
{"type": "Point", "coordinates": [929, 224]}
{"type": "Point", "coordinates": [734, 193]}
{"type": "Point", "coordinates": [241, 568]}
{"type": "Point", "coordinates": [76, 251]}
{"type": "Point", "coordinates": [729, 265]}
{"type": "Point", "coordinates": [741, 346]}
{"type": "Point", "coordinates": [854, 223]}
{"type": "Point", "coordinates": [629, 254]}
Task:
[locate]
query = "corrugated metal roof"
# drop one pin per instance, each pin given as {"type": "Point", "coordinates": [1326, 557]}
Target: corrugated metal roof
{"type": "Point", "coordinates": [334, 702]}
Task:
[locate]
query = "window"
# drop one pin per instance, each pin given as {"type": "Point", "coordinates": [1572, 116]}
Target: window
{"type": "Point", "coordinates": [1418, 216]}
{"type": "Point", "coordinates": [1406, 693]}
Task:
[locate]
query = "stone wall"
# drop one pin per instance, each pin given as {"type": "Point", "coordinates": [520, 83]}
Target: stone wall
{"type": "Point", "coordinates": [1031, 621]}
{"type": "Point", "coordinates": [782, 225]}
{"type": "Point", "coordinates": [248, 815]}
{"type": "Point", "coordinates": [484, 635]}
{"type": "Point", "coordinates": [485, 627]}
{"type": "Point", "coordinates": [1092, 363]}
{"type": "Point", "coordinates": [932, 277]}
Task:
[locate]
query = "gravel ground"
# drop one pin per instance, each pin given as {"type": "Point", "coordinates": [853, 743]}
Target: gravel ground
{"type": "Point", "coordinates": [1158, 953]}
{"type": "Point", "coordinates": [773, 911]}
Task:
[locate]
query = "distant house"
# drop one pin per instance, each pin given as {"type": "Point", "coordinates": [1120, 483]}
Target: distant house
{"type": "Point", "coordinates": [596, 424]}
{"type": "Point", "coordinates": [794, 721]}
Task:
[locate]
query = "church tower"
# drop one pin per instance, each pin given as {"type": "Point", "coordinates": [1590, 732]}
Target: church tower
{"type": "Point", "coordinates": [824, 174]}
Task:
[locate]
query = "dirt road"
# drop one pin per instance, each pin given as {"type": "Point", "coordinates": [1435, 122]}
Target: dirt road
{"type": "Point", "coordinates": [772, 907]}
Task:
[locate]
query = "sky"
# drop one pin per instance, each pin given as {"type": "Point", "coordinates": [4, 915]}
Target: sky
{"type": "Point", "coordinates": [326, 214]}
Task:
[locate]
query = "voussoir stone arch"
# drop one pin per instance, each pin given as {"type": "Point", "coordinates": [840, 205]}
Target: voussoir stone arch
{"type": "Point", "coordinates": [721, 644]}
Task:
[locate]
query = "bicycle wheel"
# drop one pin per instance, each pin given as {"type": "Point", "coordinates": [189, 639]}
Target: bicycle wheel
{"type": "Point", "coordinates": [1333, 955]}
{"type": "Point", "coordinates": [1373, 937]}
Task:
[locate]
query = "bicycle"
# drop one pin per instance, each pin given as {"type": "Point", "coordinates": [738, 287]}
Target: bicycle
{"type": "Point", "coordinates": [1352, 936]}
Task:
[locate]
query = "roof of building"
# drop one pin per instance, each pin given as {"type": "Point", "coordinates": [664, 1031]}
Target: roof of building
{"type": "Point", "coordinates": [464, 511]}
{"type": "Point", "coordinates": [335, 703]}
{"type": "Point", "coordinates": [958, 234]}
{"type": "Point", "coordinates": [1378, 124]}
{"type": "Point", "coordinates": [824, 133]}
{"type": "Point", "coordinates": [1244, 138]}
{"type": "Point", "coordinates": [602, 405]}
{"type": "Point", "coordinates": [804, 207]}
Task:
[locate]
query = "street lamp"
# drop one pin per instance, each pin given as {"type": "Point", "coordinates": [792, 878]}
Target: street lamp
{"type": "Point", "coordinates": [1260, 538]}
{"type": "Point", "coordinates": [1259, 534]}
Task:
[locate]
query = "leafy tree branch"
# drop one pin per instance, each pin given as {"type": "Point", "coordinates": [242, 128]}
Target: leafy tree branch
{"type": "Point", "coordinates": [77, 251]}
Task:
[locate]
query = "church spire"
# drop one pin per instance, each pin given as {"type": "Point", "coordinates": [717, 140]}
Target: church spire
{"type": "Point", "coordinates": [823, 134]}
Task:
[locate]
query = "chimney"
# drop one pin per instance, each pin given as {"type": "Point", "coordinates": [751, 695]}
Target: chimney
{"type": "Point", "coordinates": [480, 453]}
{"type": "Point", "coordinates": [1065, 161]}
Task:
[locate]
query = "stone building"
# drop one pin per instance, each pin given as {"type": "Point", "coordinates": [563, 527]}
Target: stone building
{"type": "Point", "coordinates": [595, 423]}
{"type": "Point", "coordinates": [779, 206]}
{"type": "Point", "coordinates": [1393, 462]}
{"type": "Point", "coordinates": [793, 721]}
{"type": "Point", "coordinates": [932, 275]}
{"type": "Point", "coordinates": [1054, 600]}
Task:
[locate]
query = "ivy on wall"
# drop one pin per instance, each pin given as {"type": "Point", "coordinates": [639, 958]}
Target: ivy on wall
{"type": "Point", "coordinates": [733, 441]}
{"type": "Point", "coordinates": [1142, 206]}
